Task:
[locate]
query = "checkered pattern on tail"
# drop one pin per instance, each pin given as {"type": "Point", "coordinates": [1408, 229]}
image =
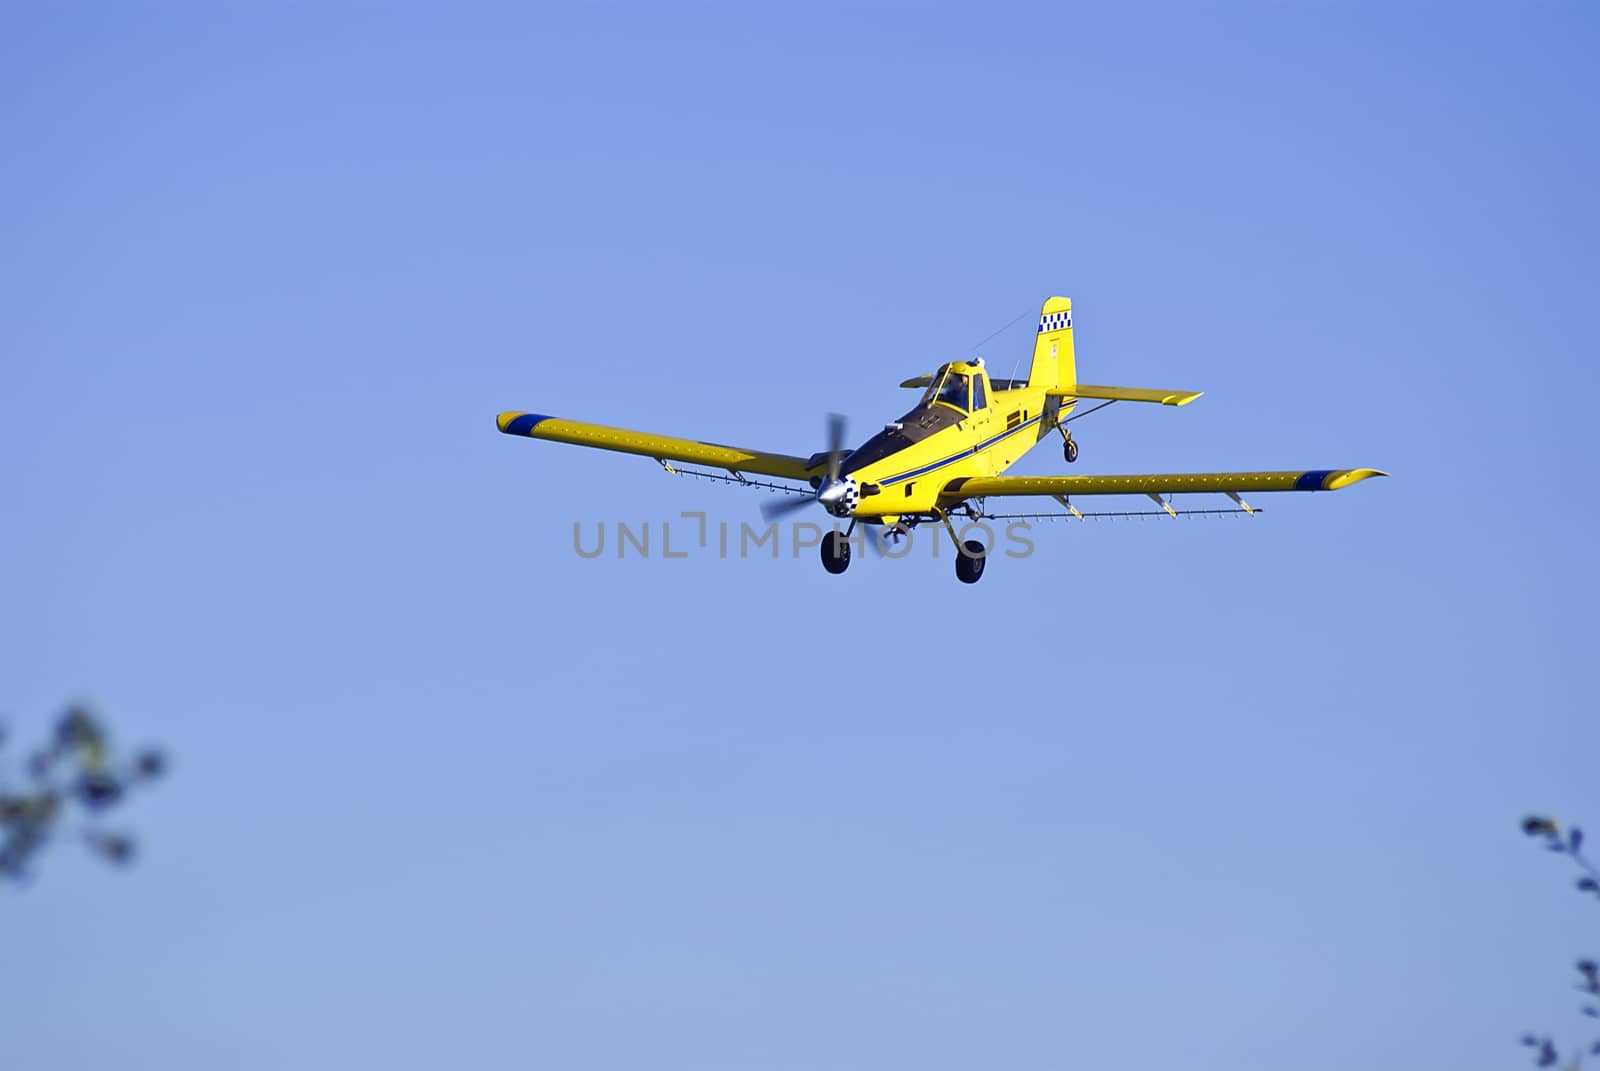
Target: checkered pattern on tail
{"type": "Point", "coordinates": [1055, 321]}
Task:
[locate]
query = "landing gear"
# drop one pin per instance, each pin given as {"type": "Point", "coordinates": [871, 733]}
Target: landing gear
{"type": "Point", "coordinates": [969, 563]}
{"type": "Point", "coordinates": [971, 556]}
{"type": "Point", "coordinates": [835, 552]}
{"type": "Point", "coordinates": [1069, 447]}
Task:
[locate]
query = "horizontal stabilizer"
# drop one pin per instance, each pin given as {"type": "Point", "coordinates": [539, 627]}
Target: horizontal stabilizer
{"type": "Point", "coordinates": [1126, 394]}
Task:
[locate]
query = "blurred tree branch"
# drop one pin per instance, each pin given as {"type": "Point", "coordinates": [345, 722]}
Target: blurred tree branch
{"type": "Point", "coordinates": [67, 788]}
{"type": "Point", "coordinates": [1569, 844]}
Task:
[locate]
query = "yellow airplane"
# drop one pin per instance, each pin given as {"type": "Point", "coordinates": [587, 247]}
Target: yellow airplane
{"type": "Point", "coordinates": [945, 457]}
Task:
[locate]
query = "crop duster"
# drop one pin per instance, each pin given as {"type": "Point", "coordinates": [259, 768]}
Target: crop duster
{"type": "Point", "coordinates": [946, 457]}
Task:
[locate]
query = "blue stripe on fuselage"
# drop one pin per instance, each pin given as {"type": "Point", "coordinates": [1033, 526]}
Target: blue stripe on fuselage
{"type": "Point", "coordinates": [952, 459]}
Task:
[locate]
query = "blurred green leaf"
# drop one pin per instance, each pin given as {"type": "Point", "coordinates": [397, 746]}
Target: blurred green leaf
{"type": "Point", "coordinates": [115, 847]}
{"type": "Point", "coordinates": [1537, 825]}
{"type": "Point", "coordinates": [72, 778]}
{"type": "Point", "coordinates": [98, 791]}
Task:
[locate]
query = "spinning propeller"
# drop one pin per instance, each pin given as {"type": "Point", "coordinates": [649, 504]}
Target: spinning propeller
{"type": "Point", "coordinates": [831, 491]}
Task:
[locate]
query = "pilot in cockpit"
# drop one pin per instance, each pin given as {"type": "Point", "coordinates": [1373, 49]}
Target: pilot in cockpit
{"type": "Point", "coordinates": [952, 390]}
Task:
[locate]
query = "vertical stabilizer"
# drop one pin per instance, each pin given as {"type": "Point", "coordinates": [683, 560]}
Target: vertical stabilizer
{"type": "Point", "coordinates": [1053, 363]}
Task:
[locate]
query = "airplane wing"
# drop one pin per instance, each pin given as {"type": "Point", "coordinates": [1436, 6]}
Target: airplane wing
{"type": "Point", "coordinates": [661, 447]}
{"type": "Point", "coordinates": [1125, 394]}
{"type": "Point", "coordinates": [1228, 483]}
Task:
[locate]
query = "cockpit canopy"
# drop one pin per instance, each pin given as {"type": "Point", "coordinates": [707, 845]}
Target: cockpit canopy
{"type": "Point", "coordinates": [956, 390]}
{"type": "Point", "coordinates": [958, 386]}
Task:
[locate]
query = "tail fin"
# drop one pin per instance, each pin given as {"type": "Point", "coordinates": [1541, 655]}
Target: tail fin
{"type": "Point", "coordinates": [1054, 365]}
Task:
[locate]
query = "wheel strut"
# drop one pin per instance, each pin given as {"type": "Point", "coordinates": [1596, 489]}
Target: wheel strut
{"type": "Point", "coordinates": [971, 557]}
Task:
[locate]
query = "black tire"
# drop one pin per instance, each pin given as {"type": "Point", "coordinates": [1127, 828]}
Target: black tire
{"type": "Point", "coordinates": [835, 553]}
{"type": "Point", "coordinates": [1069, 450]}
{"type": "Point", "coordinates": [969, 566]}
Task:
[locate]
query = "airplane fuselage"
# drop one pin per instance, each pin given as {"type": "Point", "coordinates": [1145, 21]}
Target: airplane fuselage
{"type": "Point", "coordinates": [901, 470]}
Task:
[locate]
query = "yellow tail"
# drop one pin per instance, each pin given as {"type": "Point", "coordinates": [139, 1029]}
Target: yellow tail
{"type": "Point", "coordinates": [1054, 365]}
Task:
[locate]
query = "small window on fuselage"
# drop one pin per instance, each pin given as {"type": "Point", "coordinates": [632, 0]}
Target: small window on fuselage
{"type": "Point", "coordinates": [979, 401]}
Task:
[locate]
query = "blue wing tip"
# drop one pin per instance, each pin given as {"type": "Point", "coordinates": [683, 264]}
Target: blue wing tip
{"type": "Point", "coordinates": [1333, 479]}
{"type": "Point", "coordinates": [519, 423]}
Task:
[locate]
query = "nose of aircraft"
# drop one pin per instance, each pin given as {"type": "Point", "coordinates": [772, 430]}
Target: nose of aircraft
{"type": "Point", "coordinates": [832, 494]}
{"type": "Point", "coordinates": [838, 496]}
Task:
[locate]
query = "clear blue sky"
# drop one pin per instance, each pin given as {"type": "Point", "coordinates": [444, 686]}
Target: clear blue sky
{"type": "Point", "coordinates": [1233, 794]}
